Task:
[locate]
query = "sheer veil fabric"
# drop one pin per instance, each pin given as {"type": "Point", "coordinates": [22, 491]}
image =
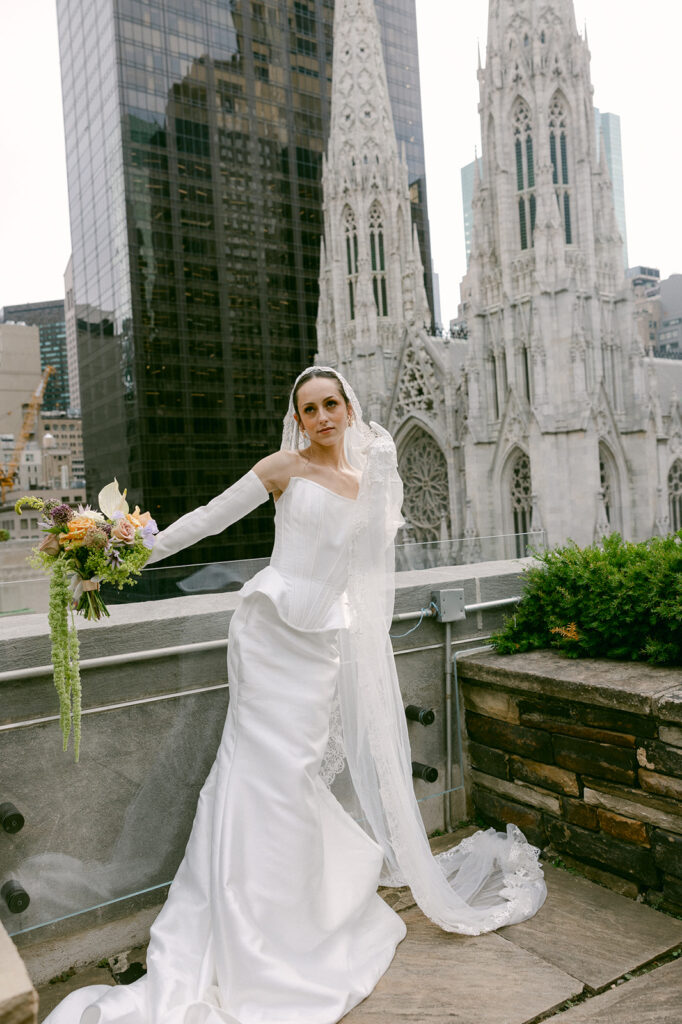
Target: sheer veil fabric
{"type": "Point", "coordinates": [491, 879]}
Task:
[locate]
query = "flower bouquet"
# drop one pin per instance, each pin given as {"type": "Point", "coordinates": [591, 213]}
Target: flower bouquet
{"type": "Point", "coordinates": [82, 548]}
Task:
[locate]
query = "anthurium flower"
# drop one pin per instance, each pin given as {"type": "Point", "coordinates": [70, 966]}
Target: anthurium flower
{"type": "Point", "coordinates": [111, 500]}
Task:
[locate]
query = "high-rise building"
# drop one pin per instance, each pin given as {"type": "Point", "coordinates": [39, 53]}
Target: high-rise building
{"type": "Point", "coordinates": [71, 340]}
{"type": "Point", "coordinates": [48, 317]}
{"type": "Point", "coordinates": [607, 126]}
{"type": "Point", "coordinates": [468, 175]}
{"type": "Point", "coordinates": [196, 219]}
{"type": "Point", "coordinates": [19, 374]}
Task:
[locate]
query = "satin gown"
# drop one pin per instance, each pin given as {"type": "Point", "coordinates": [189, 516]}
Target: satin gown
{"type": "Point", "coordinates": [273, 916]}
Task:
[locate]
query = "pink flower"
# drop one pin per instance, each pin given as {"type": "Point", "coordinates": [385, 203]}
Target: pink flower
{"type": "Point", "coordinates": [49, 544]}
{"type": "Point", "coordinates": [124, 531]}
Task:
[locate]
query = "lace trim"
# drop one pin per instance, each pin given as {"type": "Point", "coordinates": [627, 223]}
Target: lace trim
{"type": "Point", "coordinates": [334, 759]}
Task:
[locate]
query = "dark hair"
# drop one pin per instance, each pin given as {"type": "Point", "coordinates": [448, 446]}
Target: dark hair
{"type": "Point", "coordinates": [317, 372]}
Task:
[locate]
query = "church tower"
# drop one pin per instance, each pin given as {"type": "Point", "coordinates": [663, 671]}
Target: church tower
{"type": "Point", "coordinates": [559, 403]}
{"type": "Point", "coordinates": [371, 273]}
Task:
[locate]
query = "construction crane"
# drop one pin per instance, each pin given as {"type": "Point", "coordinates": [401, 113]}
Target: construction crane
{"type": "Point", "coordinates": [8, 474]}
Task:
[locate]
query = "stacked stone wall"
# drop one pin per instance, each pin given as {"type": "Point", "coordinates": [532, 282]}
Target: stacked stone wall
{"type": "Point", "coordinates": [594, 778]}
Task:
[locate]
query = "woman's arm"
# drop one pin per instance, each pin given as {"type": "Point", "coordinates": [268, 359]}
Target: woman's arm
{"type": "Point", "coordinates": [234, 503]}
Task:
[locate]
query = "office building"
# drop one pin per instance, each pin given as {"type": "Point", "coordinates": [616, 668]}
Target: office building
{"type": "Point", "coordinates": [196, 222]}
{"type": "Point", "coordinates": [607, 126]}
{"type": "Point", "coordinates": [48, 317]}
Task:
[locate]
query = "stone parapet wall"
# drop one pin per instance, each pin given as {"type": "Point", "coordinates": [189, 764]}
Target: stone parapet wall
{"type": "Point", "coordinates": [586, 758]}
{"type": "Point", "coordinates": [18, 998]}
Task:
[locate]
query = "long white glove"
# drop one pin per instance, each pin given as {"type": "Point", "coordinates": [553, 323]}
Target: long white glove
{"type": "Point", "coordinates": [237, 501]}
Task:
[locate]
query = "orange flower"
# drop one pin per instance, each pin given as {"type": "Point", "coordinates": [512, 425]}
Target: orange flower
{"type": "Point", "coordinates": [77, 529]}
{"type": "Point", "coordinates": [138, 518]}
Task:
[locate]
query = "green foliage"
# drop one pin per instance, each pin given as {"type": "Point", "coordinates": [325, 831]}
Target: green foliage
{"type": "Point", "coordinates": [617, 600]}
{"type": "Point", "coordinates": [65, 655]}
{"type": "Point", "coordinates": [4, 535]}
{"type": "Point", "coordinates": [97, 564]}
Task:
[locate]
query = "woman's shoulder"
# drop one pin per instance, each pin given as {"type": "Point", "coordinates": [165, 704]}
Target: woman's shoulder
{"type": "Point", "coordinates": [276, 470]}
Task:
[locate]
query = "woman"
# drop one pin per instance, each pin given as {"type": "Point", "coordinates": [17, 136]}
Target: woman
{"type": "Point", "coordinates": [273, 917]}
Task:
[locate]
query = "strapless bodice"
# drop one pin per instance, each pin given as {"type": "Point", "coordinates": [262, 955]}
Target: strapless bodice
{"type": "Point", "coordinates": [308, 572]}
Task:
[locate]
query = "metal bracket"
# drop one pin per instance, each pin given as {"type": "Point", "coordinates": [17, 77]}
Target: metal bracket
{"type": "Point", "coordinates": [450, 605]}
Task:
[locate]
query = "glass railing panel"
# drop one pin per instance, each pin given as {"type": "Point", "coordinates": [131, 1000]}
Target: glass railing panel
{"type": "Point", "coordinates": [467, 550]}
{"type": "Point", "coordinates": [30, 592]}
{"type": "Point", "coordinates": [114, 824]}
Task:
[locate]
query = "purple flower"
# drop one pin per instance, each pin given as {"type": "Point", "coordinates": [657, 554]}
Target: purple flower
{"type": "Point", "coordinates": [148, 532]}
{"type": "Point", "coordinates": [113, 557]}
{"type": "Point", "coordinates": [60, 514]}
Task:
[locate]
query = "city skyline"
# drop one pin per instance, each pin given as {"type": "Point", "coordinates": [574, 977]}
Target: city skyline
{"type": "Point", "coordinates": [34, 210]}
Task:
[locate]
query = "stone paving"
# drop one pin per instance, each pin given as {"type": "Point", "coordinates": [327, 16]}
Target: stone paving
{"type": "Point", "coordinates": [590, 956]}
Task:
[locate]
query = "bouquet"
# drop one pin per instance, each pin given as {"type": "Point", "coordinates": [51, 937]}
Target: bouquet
{"type": "Point", "coordinates": [82, 548]}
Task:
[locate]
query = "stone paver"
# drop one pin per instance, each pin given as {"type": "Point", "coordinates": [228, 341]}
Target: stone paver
{"type": "Point", "coordinates": [592, 933]}
{"type": "Point", "coordinates": [438, 977]}
{"type": "Point", "coordinates": [50, 995]}
{"type": "Point", "coordinates": [583, 938]}
{"type": "Point", "coordinates": [653, 998]}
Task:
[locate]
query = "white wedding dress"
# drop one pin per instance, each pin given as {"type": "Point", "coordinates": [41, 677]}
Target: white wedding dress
{"type": "Point", "coordinates": [273, 916]}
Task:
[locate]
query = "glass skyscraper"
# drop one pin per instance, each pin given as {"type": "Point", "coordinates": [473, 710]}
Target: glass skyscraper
{"type": "Point", "coordinates": [195, 131]}
{"type": "Point", "coordinates": [608, 126]}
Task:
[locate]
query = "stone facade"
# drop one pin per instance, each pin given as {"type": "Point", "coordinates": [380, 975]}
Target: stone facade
{"type": "Point", "coordinates": [586, 758]}
{"type": "Point", "coordinates": [549, 417]}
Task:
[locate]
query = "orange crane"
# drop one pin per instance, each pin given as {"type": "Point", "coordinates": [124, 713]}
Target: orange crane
{"type": "Point", "coordinates": [7, 475]}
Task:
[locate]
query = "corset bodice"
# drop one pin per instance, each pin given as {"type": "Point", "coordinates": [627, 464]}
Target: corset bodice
{"type": "Point", "coordinates": [308, 572]}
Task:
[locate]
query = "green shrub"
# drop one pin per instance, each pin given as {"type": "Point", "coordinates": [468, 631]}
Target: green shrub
{"type": "Point", "coordinates": [616, 600]}
{"type": "Point", "coordinates": [4, 535]}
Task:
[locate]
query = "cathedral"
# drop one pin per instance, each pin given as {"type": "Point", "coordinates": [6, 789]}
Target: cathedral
{"type": "Point", "coordinates": [548, 420]}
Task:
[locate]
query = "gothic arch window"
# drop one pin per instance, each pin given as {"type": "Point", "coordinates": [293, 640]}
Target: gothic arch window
{"type": "Point", "coordinates": [378, 259]}
{"type": "Point", "coordinates": [525, 372]}
{"type": "Point", "coordinates": [525, 172]}
{"type": "Point", "coordinates": [608, 484]}
{"type": "Point", "coordinates": [494, 382]}
{"type": "Point", "coordinates": [424, 473]}
{"type": "Point", "coordinates": [351, 233]}
{"type": "Point", "coordinates": [675, 495]}
{"type": "Point", "coordinates": [521, 500]}
{"type": "Point", "coordinates": [559, 155]}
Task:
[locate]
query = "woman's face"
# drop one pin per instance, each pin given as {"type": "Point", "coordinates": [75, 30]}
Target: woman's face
{"type": "Point", "coordinates": [322, 411]}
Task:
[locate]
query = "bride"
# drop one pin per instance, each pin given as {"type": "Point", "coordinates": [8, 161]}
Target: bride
{"type": "Point", "coordinates": [273, 916]}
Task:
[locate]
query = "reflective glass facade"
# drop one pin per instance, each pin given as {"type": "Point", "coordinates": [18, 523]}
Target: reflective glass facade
{"type": "Point", "coordinates": [195, 131]}
{"type": "Point", "coordinates": [609, 125]}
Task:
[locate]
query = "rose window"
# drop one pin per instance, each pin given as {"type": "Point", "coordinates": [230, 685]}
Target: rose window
{"type": "Point", "coordinates": [427, 496]}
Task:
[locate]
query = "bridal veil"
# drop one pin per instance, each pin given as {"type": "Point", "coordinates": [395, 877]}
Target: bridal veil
{"type": "Point", "coordinates": [490, 879]}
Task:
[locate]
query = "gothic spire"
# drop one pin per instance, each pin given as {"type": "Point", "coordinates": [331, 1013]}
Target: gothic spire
{"type": "Point", "coordinates": [371, 272]}
{"type": "Point", "coordinates": [361, 131]}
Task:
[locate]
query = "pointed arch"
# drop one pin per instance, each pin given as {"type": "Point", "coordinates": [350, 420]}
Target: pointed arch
{"type": "Point", "coordinates": [609, 483]}
{"type": "Point", "coordinates": [424, 472]}
{"type": "Point", "coordinates": [518, 497]}
{"type": "Point", "coordinates": [377, 255]}
{"type": "Point", "coordinates": [524, 162]}
{"type": "Point", "coordinates": [350, 230]}
{"type": "Point", "coordinates": [559, 153]}
{"type": "Point", "coordinates": [675, 495]}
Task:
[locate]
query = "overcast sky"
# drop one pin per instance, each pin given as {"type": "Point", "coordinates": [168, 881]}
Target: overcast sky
{"type": "Point", "coordinates": [636, 72]}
